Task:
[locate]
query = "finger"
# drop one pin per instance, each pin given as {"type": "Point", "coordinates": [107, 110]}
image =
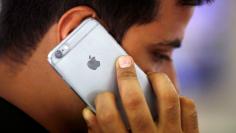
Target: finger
{"type": "Point", "coordinates": [132, 97]}
{"type": "Point", "coordinates": [107, 114]}
{"type": "Point", "coordinates": [91, 120]}
{"type": "Point", "coordinates": [168, 104]}
{"type": "Point", "coordinates": [189, 116]}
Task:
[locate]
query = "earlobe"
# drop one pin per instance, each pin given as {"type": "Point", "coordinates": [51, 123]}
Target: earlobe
{"type": "Point", "coordinates": [73, 18]}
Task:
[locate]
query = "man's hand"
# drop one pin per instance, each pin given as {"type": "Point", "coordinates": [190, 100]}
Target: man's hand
{"type": "Point", "coordinates": [175, 114]}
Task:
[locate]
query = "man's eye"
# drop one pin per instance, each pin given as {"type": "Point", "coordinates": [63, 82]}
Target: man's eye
{"type": "Point", "coordinates": [160, 57]}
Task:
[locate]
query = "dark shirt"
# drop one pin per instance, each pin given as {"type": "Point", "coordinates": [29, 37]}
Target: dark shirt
{"type": "Point", "coordinates": [14, 120]}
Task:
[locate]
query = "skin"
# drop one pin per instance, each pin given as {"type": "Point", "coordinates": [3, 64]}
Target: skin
{"type": "Point", "coordinates": [42, 94]}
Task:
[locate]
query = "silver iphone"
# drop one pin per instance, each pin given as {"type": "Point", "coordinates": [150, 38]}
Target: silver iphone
{"type": "Point", "coordinates": [86, 61]}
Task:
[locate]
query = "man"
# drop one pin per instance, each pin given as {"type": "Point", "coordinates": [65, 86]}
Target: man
{"type": "Point", "coordinates": [149, 30]}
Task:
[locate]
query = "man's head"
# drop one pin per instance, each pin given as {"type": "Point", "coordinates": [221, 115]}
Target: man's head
{"type": "Point", "coordinates": [148, 30]}
{"type": "Point", "coordinates": [24, 23]}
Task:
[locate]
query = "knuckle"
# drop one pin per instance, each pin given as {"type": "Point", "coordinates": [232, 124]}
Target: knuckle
{"type": "Point", "coordinates": [142, 124]}
{"type": "Point", "coordinates": [193, 115]}
{"type": "Point", "coordinates": [194, 118]}
{"type": "Point", "coordinates": [171, 113]}
{"type": "Point", "coordinates": [106, 118]}
{"type": "Point", "coordinates": [127, 75]}
{"type": "Point", "coordinates": [105, 113]}
{"type": "Point", "coordinates": [172, 108]}
{"type": "Point", "coordinates": [171, 98]}
{"type": "Point", "coordinates": [132, 101]}
{"type": "Point", "coordinates": [193, 121]}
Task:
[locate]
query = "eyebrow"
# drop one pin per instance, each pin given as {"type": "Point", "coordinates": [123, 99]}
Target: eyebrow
{"type": "Point", "coordinates": [173, 44]}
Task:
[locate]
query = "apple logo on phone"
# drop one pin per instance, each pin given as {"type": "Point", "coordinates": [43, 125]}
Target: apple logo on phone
{"type": "Point", "coordinates": [93, 63]}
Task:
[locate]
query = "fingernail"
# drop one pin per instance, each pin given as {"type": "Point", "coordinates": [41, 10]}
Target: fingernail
{"type": "Point", "coordinates": [88, 116]}
{"type": "Point", "coordinates": [125, 62]}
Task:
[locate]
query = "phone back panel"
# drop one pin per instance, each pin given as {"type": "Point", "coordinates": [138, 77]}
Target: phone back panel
{"type": "Point", "coordinates": [87, 63]}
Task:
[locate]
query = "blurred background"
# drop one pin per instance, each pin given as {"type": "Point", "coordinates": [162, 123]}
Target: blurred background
{"type": "Point", "coordinates": [206, 66]}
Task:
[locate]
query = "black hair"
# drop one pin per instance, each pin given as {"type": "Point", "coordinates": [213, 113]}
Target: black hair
{"type": "Point", "coordinates": [23, 23]}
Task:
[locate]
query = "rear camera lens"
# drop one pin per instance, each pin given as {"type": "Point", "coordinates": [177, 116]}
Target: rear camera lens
{"type": "Point", "coordinates": [58, 54]}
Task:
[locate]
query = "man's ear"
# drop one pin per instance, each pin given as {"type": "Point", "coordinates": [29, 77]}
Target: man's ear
{"type": "Point", "coordinates": [73, 18]}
